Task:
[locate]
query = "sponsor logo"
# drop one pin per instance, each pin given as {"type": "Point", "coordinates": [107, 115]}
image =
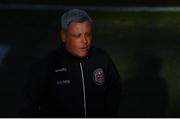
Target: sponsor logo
{"type": "Point", "coordinates": [61, 70]}
{"type": "Point", "coordinates": [98, 75]}
{"type": "Point", "coordinates": [63, 82]}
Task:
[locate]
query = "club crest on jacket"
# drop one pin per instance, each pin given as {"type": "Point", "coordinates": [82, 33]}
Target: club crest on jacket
{"type": "Point", "coordinates": [98, 75]}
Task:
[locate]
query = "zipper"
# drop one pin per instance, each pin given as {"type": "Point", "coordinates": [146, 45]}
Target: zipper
{"type": "Point", "coordinates": [84, 89]}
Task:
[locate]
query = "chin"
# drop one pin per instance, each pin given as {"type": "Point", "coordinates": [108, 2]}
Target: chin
{"type": "Point", "coordinates": [83, 55]}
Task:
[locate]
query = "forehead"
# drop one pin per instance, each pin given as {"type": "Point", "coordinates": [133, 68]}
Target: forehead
{"type": "Point", "coordinates": [85, 25]}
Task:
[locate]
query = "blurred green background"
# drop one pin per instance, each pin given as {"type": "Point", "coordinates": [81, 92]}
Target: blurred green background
{"type": "Point", "coordinates": [125, 35]}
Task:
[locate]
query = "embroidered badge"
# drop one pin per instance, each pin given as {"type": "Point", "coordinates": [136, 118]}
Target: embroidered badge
{"type": "Point", "coordinates": [98, 75]}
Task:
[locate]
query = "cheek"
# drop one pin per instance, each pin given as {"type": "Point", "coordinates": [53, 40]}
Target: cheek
{"type": "Point", "coordinates": [74, 43]}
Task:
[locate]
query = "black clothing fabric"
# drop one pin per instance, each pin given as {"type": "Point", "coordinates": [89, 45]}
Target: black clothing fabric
{"type": "Point", "coordinates": [63, 85]}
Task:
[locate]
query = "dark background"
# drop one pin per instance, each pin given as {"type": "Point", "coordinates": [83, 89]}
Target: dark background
{"type": "Point", "coordinates": [99, 2]}
{"type": "Point", "coordinates": [144, 46]}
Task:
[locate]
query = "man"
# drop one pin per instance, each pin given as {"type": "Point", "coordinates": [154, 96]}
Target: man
{"type": "Point", "coordinates": [77, 79]}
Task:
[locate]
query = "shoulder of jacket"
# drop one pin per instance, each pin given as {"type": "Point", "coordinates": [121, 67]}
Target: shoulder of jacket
{"type": "Point", "coordinates": [47, 59]}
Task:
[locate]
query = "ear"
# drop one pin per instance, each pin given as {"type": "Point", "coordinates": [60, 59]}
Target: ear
{"type": "Point", "coordinates": [63, 36]}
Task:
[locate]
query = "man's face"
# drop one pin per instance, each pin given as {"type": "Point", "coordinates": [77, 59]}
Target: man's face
{"type": "Point", "coordinates": [77, 38]}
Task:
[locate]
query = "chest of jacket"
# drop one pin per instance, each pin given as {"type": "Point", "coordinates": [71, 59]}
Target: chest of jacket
{"type": "Point", "coordinates": [74, 85]}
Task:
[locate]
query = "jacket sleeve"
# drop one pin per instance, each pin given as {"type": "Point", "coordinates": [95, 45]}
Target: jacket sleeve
{"type": "Point", "coordinates": [33, 92]}
{"type": "Point", "coordinates": [113, 90]}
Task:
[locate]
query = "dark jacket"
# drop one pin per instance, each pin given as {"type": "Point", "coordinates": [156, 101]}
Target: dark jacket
{"type": "Point", "coordinates": [62, 85]}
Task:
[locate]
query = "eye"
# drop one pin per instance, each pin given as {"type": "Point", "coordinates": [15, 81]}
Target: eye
{"type": "Point", "coordinates": [76, 35]}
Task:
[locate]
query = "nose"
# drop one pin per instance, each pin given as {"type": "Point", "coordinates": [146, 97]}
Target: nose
{"type": "Point", "coordinates": [84, 39]}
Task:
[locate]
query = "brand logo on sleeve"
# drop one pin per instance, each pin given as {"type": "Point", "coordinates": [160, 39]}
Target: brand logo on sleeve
{"type": "Point", "coordinates": [63, 82]}
{"type": "Point", "coordinates": [98, 76]}
{"type": "Point", "coordinates": [61, 69]}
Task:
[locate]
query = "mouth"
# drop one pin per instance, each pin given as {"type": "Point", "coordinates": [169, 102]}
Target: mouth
{"type": "Point", "coordinates": [84, 48]}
